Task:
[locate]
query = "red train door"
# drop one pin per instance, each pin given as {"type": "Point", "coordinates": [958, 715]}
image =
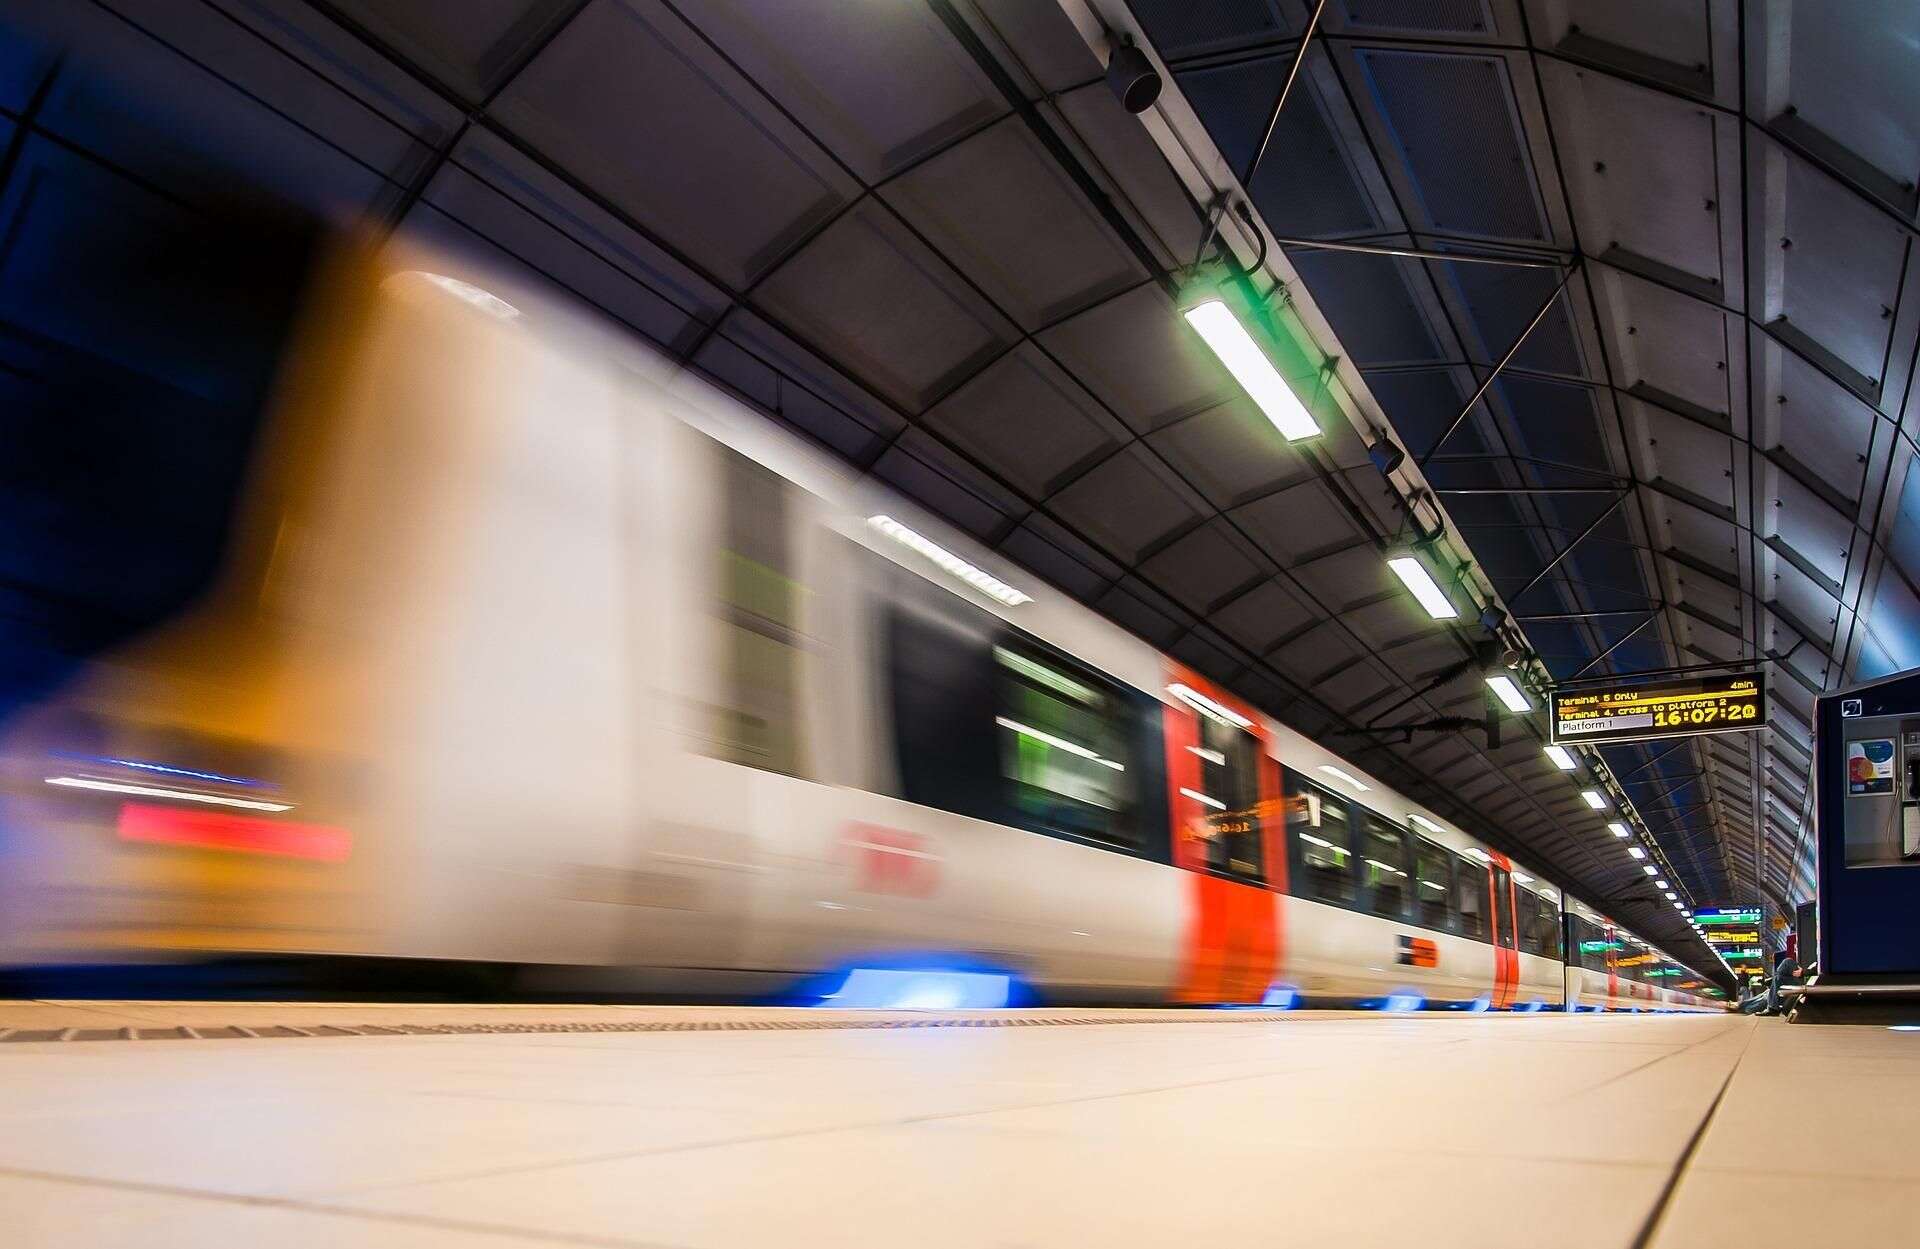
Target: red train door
{"type": "Point", "coordinates": [1231, 842]}
{"type": "Point", "coordinates": [1506, 935]}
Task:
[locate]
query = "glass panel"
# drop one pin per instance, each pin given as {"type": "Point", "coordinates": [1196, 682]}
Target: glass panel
{"type": "Point", "coordinates": [1533, 935]}
{"type": "Point", "coordinates": [1064, 748]}
{"type": "Point", "coordinates": [1433, 884]}
{"type": "Point", "coordinates": [1503, 905]}
{"type": "Point", "coordinates": [758, 721]}
{"type": "Point", "coordinates": [1383, 865]}
{"type": "Point", "coordinates": [1230, 775]}
{"type": "Point", "coordinates": [1596, 947]}
{"type": "Point", "coordinates": [1470, 891]}
{"type": "Point", "coordinates": [1318, 825]}
{"type": "Point", "coordinates": [1549, 927]}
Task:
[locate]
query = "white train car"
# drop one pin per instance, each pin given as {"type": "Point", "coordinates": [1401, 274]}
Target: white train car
{"type": "Point", "coordinates": [536, 652]}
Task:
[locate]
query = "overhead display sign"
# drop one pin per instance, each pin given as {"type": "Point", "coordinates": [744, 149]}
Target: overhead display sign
{"type": "Point", "coordinates": [1727, 917]}
{"type": "Point", "coordinates": [1679, 708]}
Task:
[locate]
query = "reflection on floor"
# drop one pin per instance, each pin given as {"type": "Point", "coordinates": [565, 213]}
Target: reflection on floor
{"type": "Point", "coordinates": [660, 1126]}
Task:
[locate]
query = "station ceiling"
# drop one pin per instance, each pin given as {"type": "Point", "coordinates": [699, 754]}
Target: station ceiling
{"type": "Point", "coordinates": [925, 234]}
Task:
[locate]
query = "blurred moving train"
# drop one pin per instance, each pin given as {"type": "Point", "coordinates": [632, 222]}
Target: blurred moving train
{"type": "Point", "coordinates": [532, 649]}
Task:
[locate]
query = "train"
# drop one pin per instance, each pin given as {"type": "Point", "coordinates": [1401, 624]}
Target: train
{"type": "Point", "coordinates": [533, 649]}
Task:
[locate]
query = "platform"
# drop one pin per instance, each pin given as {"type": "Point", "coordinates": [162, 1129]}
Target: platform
{"type": "Point", "coordinates": [302, 1125]}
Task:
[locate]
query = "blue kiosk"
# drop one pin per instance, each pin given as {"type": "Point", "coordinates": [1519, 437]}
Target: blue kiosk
{"type": "Point", "coordinates": [1867, 828]}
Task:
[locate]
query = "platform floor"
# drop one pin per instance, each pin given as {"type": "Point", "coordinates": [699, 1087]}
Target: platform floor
{"type": "Point", "coordinates": [167, 1125]}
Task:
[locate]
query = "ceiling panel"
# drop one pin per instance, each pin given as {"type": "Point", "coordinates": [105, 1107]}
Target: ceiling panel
{"type": "Point", "coordinates": [731, 183]}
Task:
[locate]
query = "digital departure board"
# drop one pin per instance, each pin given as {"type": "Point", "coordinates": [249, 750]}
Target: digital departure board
{"type": "Point", "coordinates": [1631, 713]}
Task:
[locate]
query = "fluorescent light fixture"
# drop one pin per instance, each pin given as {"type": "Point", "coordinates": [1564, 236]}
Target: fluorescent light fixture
{"type": "Point", "coordinates": [1660, 884]}
{"type": "Point", "coordinates": [154, 791]}
{"type": "Point", "coordinates": [1636, 852]}
{"type": "Point", "coordinates": [1422, 821]}
{"type": "Point", "coordinates": [1414, 575]}
{"type": "Point", "coordinates": [1345, 777]}
{"type": "Point", "coordinates": [1431, 884]}
{"type": "Point", "coordinates": [1211, 756]}
{"type": "Point", "coordinates": [1562, 758]}
{"type": "Point", "coordinates": [1207, 799]}
{"type": "Point", "coordinates": [1059, 743]}
{"type": "Point", "coordinates": [1222, 331]}
{"type": "Point", "coordinates": [1595, 799]}
{"type": "Point", "coordinates": [1523, 878]}
{"type": "Point", "coordinates": [948, 562]}
{"type": "Point", "coordinates": [1619, 829]}
{"type": "Point", "coordinates": [1509, 692]}
{"type": "Point", "coordinates": [1208, 707]}
{"type": "Point", "coordinates": [1651, 870]}
{"type": "Point", "coordinates": [1671, 895]}
{"type": "Point", "coordinates": [1385, 867]}
{"type": "Point", "coordinates": [1684, 911]}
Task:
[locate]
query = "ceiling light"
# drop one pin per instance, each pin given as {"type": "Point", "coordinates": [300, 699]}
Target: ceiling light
{"type": "Point", "coordinates": [1636, 852]}
{"type": "Point", "coordinates": [1562, 758]}
{"type": "Point", "coordinates": [1208, 707]}
{"type": "Point", "coordinates": [1509, 692]}
{"type": "Point", "coordinates": [1345, 777]}
{"type": "Point", "coordinates": [1619, 829]}
{"type": "Point", "coordinates": [1687, 913]}
{"type": "Point", "coordinates": [1424, 822]}
{"type": "Point", "coordinates": [1523, 878]}
{"type": "Point", "coordinates": [1414, 575]}
{"type": "Point", "coordinates": [154, 791]}
{"type": "Point", "coordinates": [1479, 854]}
{"type": "Point", "coordinates": [1679, 908]}
{"type": "Point", "coordinates": [1659, 884]}
{"type": "Point", "coordinates": [1595, 799]}
{"type": "Point", "coordinates": [948, 562]}
{"type": "Point", "coordinates": [1670, 895]}
{"type": "Point", "coordinates": [1229, 339]}
{"type": "Point", "coordinates": [1651, 870]}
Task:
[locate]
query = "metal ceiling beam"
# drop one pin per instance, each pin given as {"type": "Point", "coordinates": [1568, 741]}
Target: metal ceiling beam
{"type": "Point", "coordinates": [1567, 550]}
{"type": "Point", "coordinates": [1533, 490]}
{"type": "Point", "coordinates": [1286, 89]}
{"type": "Point", "coordinates": [1618, 642]}
{"type": "Point", "coordinates": [1413, 253]}
{"type": "Point", "coordinates": [1579, 615]}
{"type": "Point", "coordinates": [1505, 360]}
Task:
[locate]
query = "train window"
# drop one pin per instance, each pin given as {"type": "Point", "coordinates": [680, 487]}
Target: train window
{"type": "Point", "coordinates": [1533, 935]}
{"type": "Point", "coordinates": [1595, 946]}
{"type": "Point", "coordinates": [1470, 895]}
{"type": "Point", "coordinates": [1230, 774]}
{"type": "Point", "coordinates": [1503, 906]}
{"type": "Point", "coordinates": [1319, 830]}
{"type": "Point", "coordinates": [1383, 865]}
{"type": "Point", "coordinates": [1433, 884]}
{"type": "Point", "coordinates": [1549, 927]}
{"type": "Point", "coordinates": [1064, 747]}
{"type": "Point", "coordinates": [758, 720]}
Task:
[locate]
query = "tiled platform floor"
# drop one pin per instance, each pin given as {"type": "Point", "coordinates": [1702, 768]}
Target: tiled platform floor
{"type": "Point", "coordinates": [1177, 1128]}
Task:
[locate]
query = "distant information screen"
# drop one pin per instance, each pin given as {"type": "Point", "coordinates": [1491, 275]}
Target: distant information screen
{"type": "Point", "coordinates": [1733, 931]}
{"type": "Point", "coordinates": [1636, 712]}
